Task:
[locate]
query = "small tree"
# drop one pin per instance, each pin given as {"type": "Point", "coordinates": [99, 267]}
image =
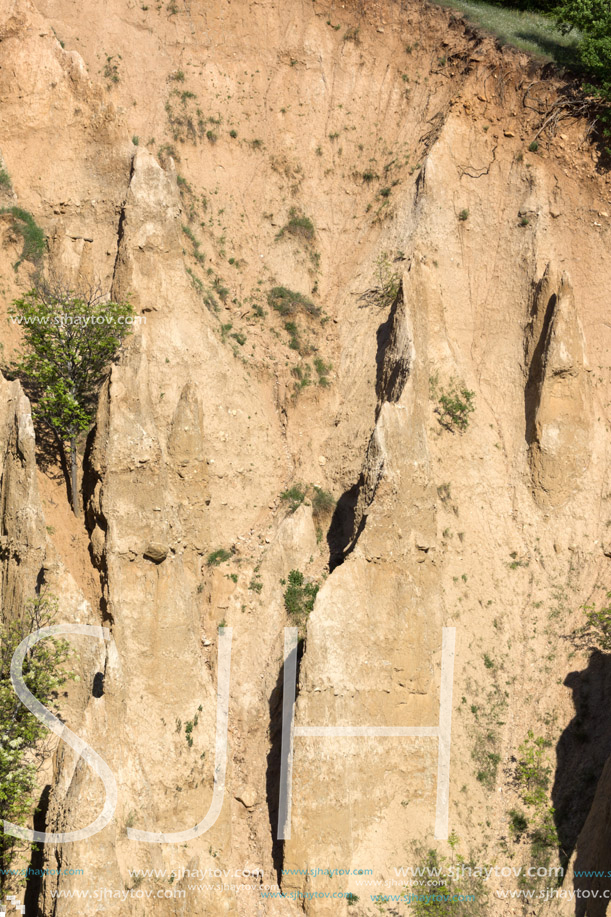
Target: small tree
{"type": "Point", "coordinates": [593, 19]}
{"type": "Point", "coordinates": [21, 732]}
{"type": "Point", "coordinates": [71, 337]}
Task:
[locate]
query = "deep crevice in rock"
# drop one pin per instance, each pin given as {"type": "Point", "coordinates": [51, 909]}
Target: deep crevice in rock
{"type": "Point", "coordinates": [532, 391]}
{"type": "Point", "coordinates": [97, 689]}
{"type": "Point", "coordinates": [33, 887]}
{"type": "Point", "coordinates": [340, 536]}
{"type": "Point", "coordinates": [393, 366]}
{"type": "Point", "coordinates": [89, 483]}
{"type": "Point", "coordinates": [121, 223]}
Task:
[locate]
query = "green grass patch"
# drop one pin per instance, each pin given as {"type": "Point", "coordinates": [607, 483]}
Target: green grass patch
{"type": "Point", "coordinates": [299, 597]}
{"type": "Point", "coordinates": [198, 255]}
{"type": "Point", "coordinates": [323, 503]}
{"type": "Point", "coordinates": [33, 236]}
{"type": "Point", "coordinates": [532, 32]}
{"type": "Point", "coordinates": [218, 557]}
{"type": "Point", "coordinates": [299, 226]}
{"type": "Point", "coordinates": [294, 496]}
{"type": "Point", "coordinates": [287, 302]}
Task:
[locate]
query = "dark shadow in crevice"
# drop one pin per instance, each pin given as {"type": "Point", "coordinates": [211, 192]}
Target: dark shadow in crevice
{"type": "Point", "coordinates": [344, 531]}
{"type": "Point", "coordinates": [391, 374]}
{"type": "Point", "coordinates": [274, 758]}
{"type": "Point", "coordinates": [97, 689]}
{"type": "Point", "coordinates": [383, 336]}
{"type": "Point", "coordinates": [40, 580]}
{"type": "Point", "coordinates": [532, 391]}
{"type": "Point", "coordinates": [90, 481]}
{"type": "Point", "coordinates": [341, 536]}
{"type": "Point", "coordinates": [582, 751]}
{"type": "Point", "coordinates": [33, 887]}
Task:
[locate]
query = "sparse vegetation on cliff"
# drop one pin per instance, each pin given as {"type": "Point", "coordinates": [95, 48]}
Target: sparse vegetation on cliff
{"type": "Point", "coordinates": [21, 732]}
{"type": "Point", "coordinates": [454, 404]}
{"type": "Point", "coordinates": [298, 225]}
{"type": "Point", "coordinates": [293, 497]}
{"type": "Point", "coordinates": [596, 632]}
{"type": "Point", "coordinates": [299, 597]}
{"type": "Point", "coordinates": [218, 557]}
{"type": "Point", "coordinates": [459, 889]}
{"type": "Point", "coordinates": [537, 823]}
{"type": "Point", "coordinates": [287, 302]}
{"type": "Point", "coordinates": [34, 240]}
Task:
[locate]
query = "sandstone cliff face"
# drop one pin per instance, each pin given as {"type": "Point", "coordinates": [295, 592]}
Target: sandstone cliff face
{"type": "Point", "coordinates": [559, 408]}
{"type": "Point", "coordinates": [23, 538]}
{"type": "Point", "coordinates": [174, 184]}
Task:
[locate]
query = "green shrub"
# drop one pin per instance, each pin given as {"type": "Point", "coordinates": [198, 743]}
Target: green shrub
{"type": "Point", "coordinates": [532, 771]}
{"type": "Point", "coordinates": [294, 496]}
{"type": "Point", "coordinates": [21, 732]}
{"type": "Point", "coordinates": [463, 216]}
{"type": "Point", "coordinates": [5, 179]}
{"type": "Point", "coordinates": [533, 777]}
{"type": "Point", "coordinates": [322, 369]}
{"type": "Point", "coordinates": [298, 225]}
{"type": "Point", "coordinates": [597, 630]}
{"type": "Point", "coordinates": [220, 289]}
{"type": "Point", "coordinates": [191, 724]}
{"type": "Point", "coordinates": [455, 406]}
{"type": "Point", "coordinates": [452, 896]}
{"type": "Point", "coordinates": [287, 302]}
{"type": "Point", "coordinates": [218, 557]}
{"type": "Point", "coordinates": [302, 375]}
{"type": "Point", "coordinates": [299, 597]}
{"type": "Point", "coordinates": [323, 502]}
{"type": "Point", "coordinates": [544, 837]}
{"type": "Point", "coordinates": [488, 760]}
{"type": "Point", "coordinates": [293, 331]}
{"type": "Point", "coordinates": [352, 34]}
{"type": "Point", "coordinates": [388, 282]}
{"type": "Point", "coordinates": [111, 69]}
{"type": "Point", "coordinates": [34, 239]}
{"type": "Point", "coordinates": [533, 147]}
{"type": "Point", "coordinates": [199, 255]}
{"type": "Point", "coordinates": [592, 19]}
